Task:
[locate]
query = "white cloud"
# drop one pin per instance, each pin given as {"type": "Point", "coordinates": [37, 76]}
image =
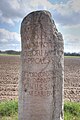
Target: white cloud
{"type": "Point", "coordinates": [69, 8]}
{"type": "Point", "coordinates": [8, 39]}
{"type": "Point", "coordinates": [45, 3]}
{"type": "Point", "coordinates": [5, 34]}
{"type": "Point", "coordinates": [7, 20]}
{"type": "Point", "coordinates": [17, 9]}
{"type": "Point", "coordinates": [72, 48]}
{"type": "Point", "coordinates": [72, 26]}
{"type": "Point", "coordinates": [9, 11]}
{"type": "Point", "coordinates": [71, 36]}
{"type": "Point", "coordinates": [75, 5]}
{"type": "Point", "coordinates": [67, 17]}
{"type": "Point", "coordinates": [72, 43]}
{"type": "Point", "coordinates": [14, 4]}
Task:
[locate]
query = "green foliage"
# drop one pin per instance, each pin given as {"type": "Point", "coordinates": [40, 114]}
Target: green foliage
{"type": "Point", "coordinates": [72, 111]}
{"type": "Point", "coordinates": [9, 110]}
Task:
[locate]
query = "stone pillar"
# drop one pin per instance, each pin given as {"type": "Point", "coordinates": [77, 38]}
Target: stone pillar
{"type": "Point", "coordinates": [41, 83]}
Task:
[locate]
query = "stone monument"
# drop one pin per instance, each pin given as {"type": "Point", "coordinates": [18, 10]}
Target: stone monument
{"type": "Point", "coordinates": [42, 69]}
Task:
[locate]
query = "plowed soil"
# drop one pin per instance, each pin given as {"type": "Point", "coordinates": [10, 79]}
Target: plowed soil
{"type": "Point", "coordinates": [10, 72]}
{"type": "Point", "coordinates": [72, 79]}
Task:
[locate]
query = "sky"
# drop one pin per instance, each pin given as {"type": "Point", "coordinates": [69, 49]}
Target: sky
{"type": "Point", "coordinates": [65, 13]}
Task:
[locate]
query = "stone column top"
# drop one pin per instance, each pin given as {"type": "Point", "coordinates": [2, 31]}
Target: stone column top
{"type": "Point", "coordinates": [38, 12]}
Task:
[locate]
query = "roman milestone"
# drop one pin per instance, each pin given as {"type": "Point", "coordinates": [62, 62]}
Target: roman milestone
{"type": "Point", "coordinates": [42, 69]}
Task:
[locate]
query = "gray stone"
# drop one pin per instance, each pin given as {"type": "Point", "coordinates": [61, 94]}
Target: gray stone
{"type": "Point", "coordinates": [42, 69]}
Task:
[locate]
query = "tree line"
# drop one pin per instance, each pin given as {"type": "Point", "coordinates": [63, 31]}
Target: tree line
{"type": "Point", "coordinates": [71, 54]}
{"type": "Point", "coordinates": [13, 52]}
{"type": "Point", "coordinates": [18, 53]}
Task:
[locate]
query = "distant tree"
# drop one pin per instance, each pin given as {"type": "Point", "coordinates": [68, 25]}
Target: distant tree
{"type": "Point", "coordinates": [12, 52]}
{"type": "Point", "coordinates": [72, 54]}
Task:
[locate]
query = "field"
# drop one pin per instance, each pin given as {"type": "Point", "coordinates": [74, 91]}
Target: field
{"type": "Point", "coordinates": [9, 76]}
{"type": "Point", "coordinates": [72, 78]}
{"type": "Point", "coordinates": [10, 71]}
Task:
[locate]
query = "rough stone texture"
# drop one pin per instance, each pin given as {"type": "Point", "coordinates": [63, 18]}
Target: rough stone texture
{"type": "Point", "coordinates": [41, 84]}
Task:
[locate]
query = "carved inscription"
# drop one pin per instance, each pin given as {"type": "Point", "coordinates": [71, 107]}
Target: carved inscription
{"type": "Point", "coordinates": [38, 44]}
{"type": "Point", "coordinates": [38, 83]}
{"type": "Point", "coordinates": [38, 53]}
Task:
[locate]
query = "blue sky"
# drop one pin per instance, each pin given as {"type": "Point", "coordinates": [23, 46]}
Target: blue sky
{"type": "Point", "coordinates": [66, 14]}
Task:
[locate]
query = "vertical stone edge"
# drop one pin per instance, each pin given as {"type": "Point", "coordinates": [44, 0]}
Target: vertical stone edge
{"type": "Point", "coordinates": [59, 82]}
{"type": "Point", "coordinates": [20, 98]}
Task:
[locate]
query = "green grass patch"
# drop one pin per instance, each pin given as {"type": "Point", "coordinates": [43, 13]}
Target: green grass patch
{"type": "Point", "coordinates": [9, 110]}
{"type": "Point", "coordinates": [8, 55]}
{"type": "Point", "coordinates": [71, 111]}
{"type": "Point", "coordinates": [71, 56]}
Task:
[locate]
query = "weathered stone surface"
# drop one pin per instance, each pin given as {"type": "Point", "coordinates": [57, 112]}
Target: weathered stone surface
{"type": "Point", "coordinates": [41, 83]}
